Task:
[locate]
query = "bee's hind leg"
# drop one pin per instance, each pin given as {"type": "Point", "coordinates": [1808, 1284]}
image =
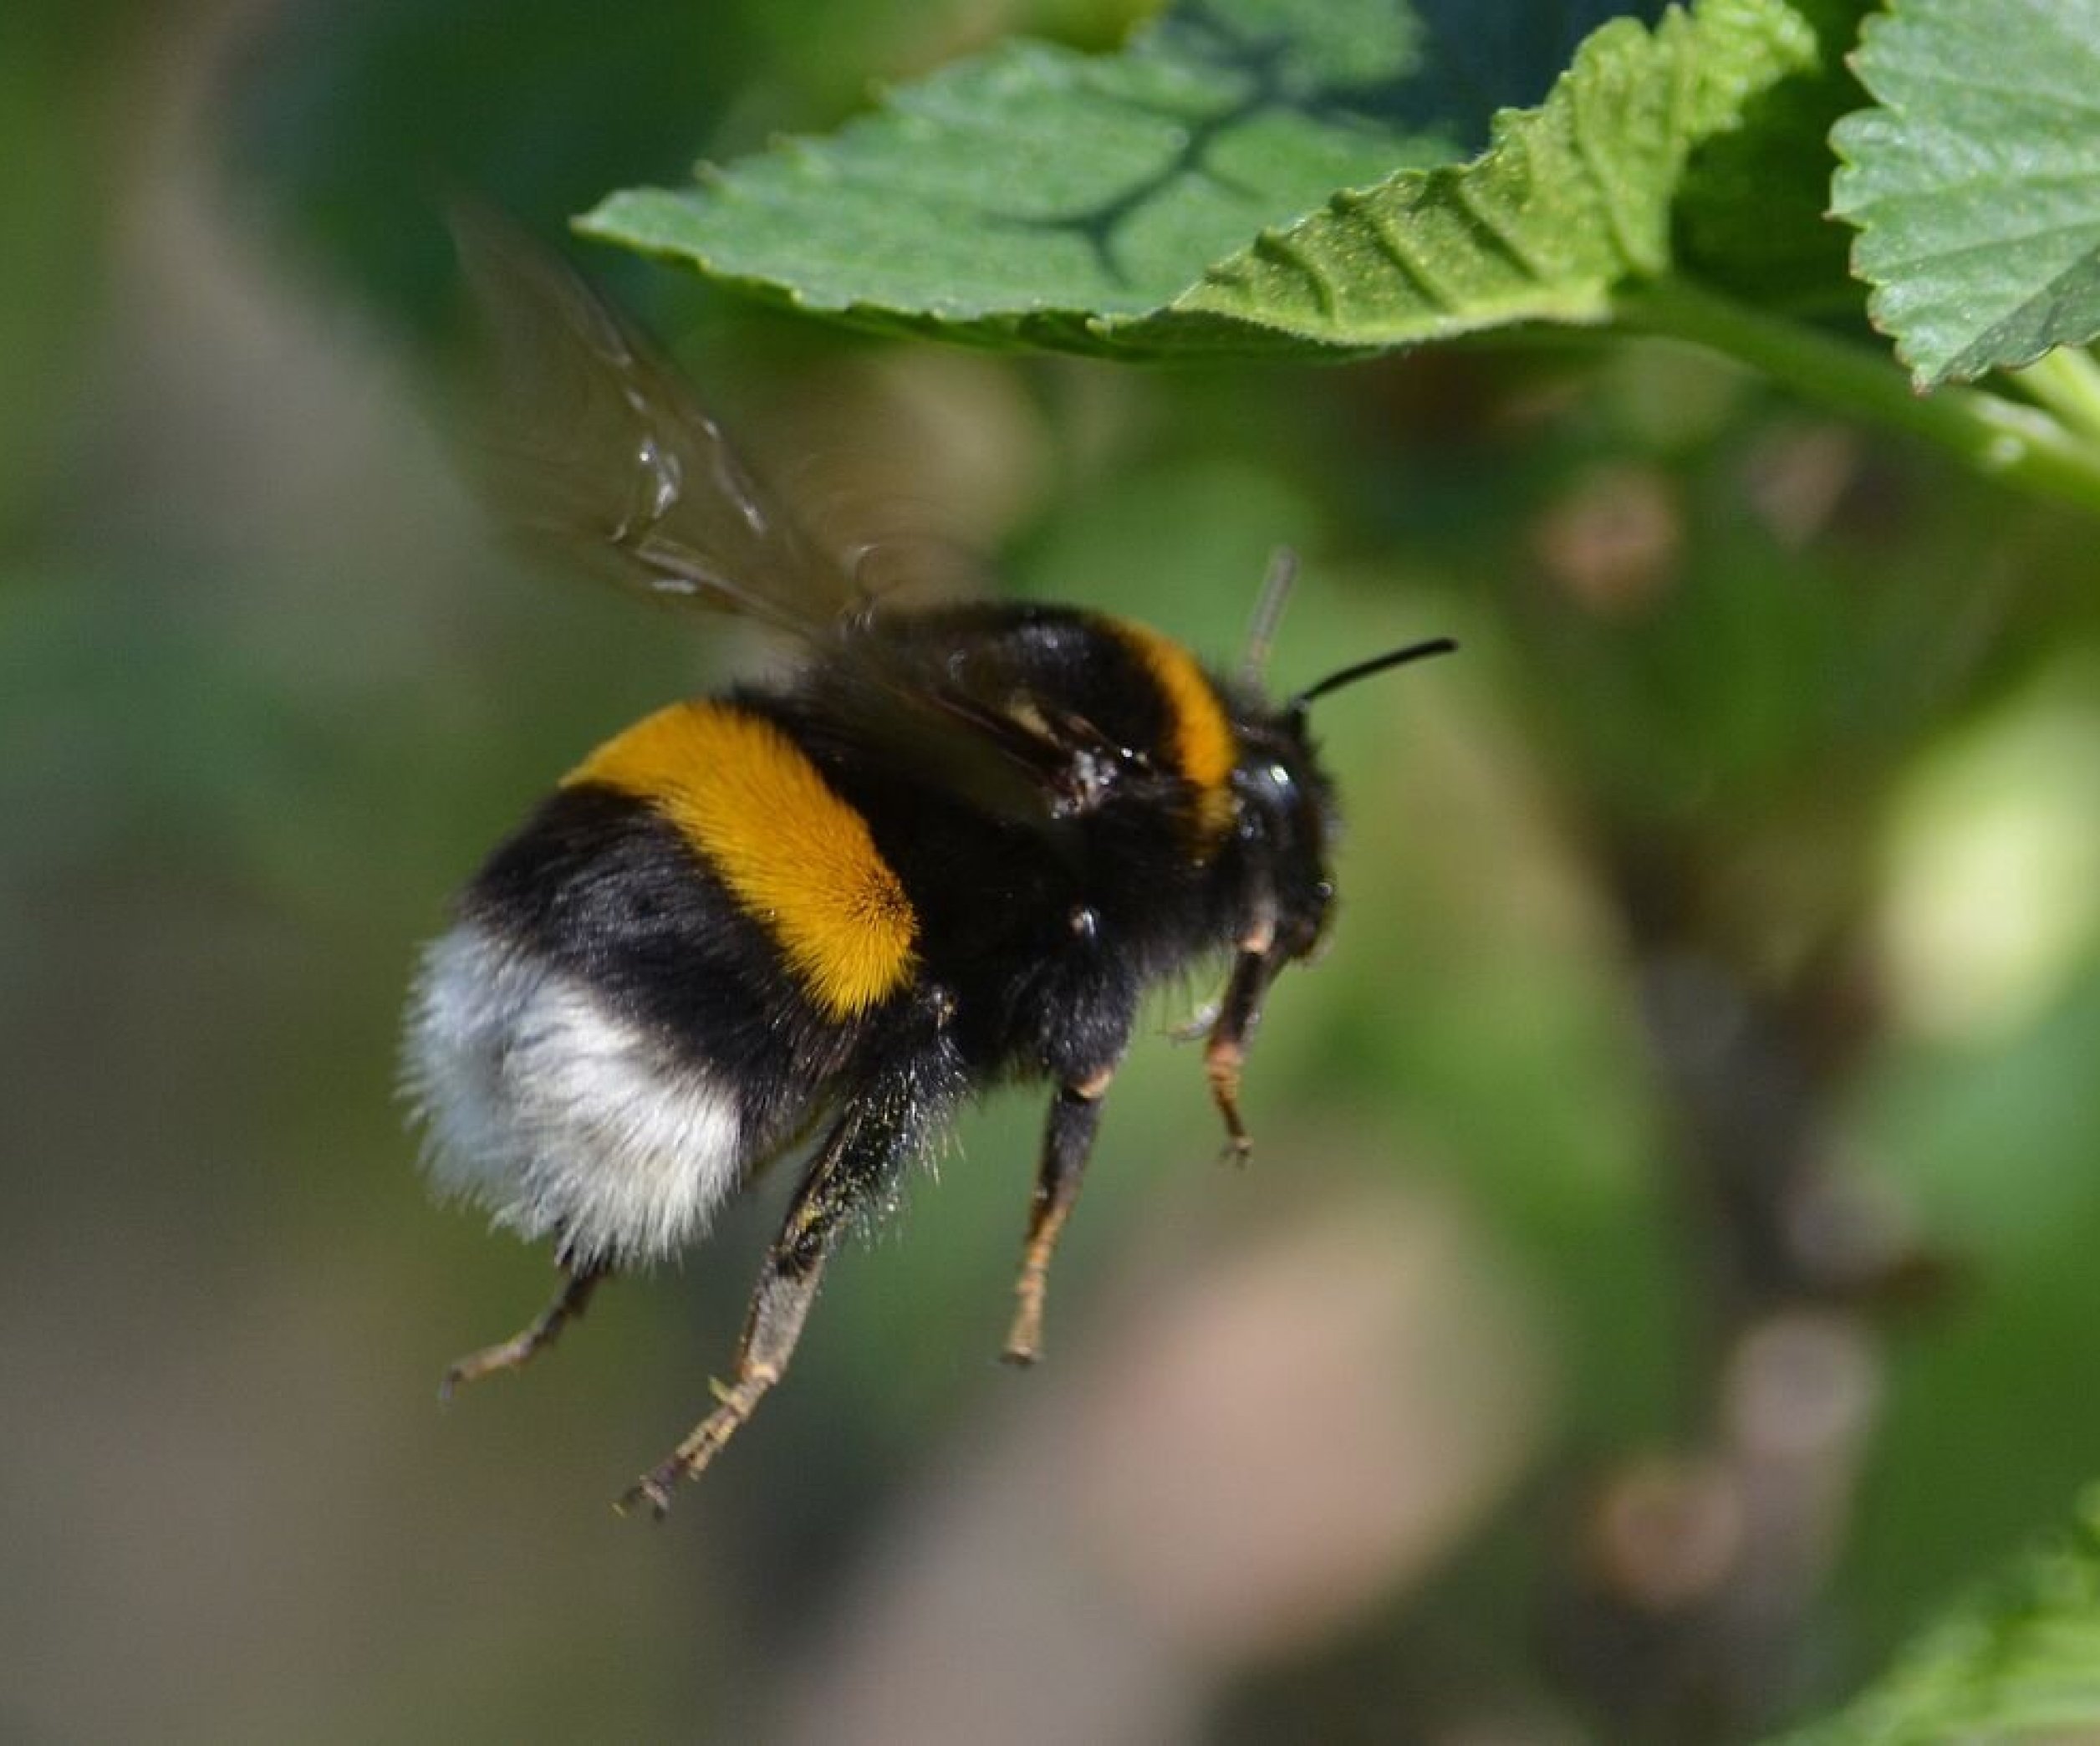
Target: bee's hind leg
{"type": "Point", "coordinates": [852, 1173]}
{"type": "Point", "coordinates": [569, 1303]}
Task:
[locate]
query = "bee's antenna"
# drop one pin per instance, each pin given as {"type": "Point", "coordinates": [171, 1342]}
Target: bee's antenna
{"type": "Point", "coordinates": [1364, 669]}
{"type": "Point", "coordinates": [1268, 610]}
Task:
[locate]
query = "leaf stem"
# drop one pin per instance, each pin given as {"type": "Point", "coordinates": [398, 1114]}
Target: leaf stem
{"type": "Point", "coordinates": [2067, 382]}
{"type": "Point", "coordinates": [2025, 446]}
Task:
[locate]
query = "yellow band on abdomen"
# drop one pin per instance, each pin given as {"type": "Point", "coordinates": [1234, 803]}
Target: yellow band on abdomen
{"type": "Point", "coordinates": [796, 859]}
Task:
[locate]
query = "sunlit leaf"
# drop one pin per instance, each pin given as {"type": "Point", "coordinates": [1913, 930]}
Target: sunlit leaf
{"type": "Point", "coordinates": [1253, 175]}
{"type": "Point", "coordinates": [1976, 183]}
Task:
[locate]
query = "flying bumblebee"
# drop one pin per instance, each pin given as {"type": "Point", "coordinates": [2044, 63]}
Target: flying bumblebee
{"type": "Point", "coordinates": [951, 847]}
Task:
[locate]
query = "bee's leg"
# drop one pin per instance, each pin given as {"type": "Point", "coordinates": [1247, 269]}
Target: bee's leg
{"type": "Point", "coordinates": [851, 1172]}
{"type": "Point", "coordinates": [1239, 1010]}
{"type": "Point", "coordinates": [1075, 1113]}
{"type": "Point", "coordinates": [577, 1284]}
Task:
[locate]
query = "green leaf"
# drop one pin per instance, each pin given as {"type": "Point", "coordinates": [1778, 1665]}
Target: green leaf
{"type": "Point", "coordinates": [1752, 216]}
{"type": "Point", "coordinates": [2021, 1662]}
{"type": "Point", "coordinates": [1034, 187]}
{"type": "Point", "coordinates": [1571, 201]}
{"type": "Point", "coordinates": [1253, 175]}
{"type": "Point", "coordinates": [1976, 183]}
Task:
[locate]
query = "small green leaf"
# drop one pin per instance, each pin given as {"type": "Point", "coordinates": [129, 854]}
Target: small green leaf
{"type": "Point", "coordinates": [1975, 184]}
{"type": "Point", "coordinates": [2020, 1662]}
{"type": "Point", "coordinates": [1253, 175]}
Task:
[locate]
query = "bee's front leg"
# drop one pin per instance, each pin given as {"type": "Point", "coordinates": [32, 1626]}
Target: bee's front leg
{"type": "Point", "coordinates": [1238, 1012]}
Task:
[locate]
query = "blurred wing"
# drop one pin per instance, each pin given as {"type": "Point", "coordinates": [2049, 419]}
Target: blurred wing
{"type": "Point", "coordinates": [594, 445]}
{"type": "Point", "coordinates": [945, 705]}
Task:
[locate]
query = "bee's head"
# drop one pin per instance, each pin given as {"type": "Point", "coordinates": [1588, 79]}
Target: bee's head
{"type": "Point", "coordinates": [1286, 813]}
{"type": "Point", "coordinates": [1287, 819]}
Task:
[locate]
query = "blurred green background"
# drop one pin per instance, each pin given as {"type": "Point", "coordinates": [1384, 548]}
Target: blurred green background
{"type": "Point", "coordinates": [1666, 1270]}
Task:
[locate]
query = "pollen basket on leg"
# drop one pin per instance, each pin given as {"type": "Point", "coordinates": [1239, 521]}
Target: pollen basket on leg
{"type": "Point", "coordinates": [796, 858]}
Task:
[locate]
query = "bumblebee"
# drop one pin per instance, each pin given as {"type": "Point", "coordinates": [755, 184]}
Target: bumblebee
{"type": "Point", "coordinates": [948, 848]}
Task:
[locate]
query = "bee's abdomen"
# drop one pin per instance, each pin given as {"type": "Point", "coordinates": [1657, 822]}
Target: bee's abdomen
{"type": "Point", "coordinates": [634, 1011]}
{"type": "Point", "coordinates": [563, 1115]}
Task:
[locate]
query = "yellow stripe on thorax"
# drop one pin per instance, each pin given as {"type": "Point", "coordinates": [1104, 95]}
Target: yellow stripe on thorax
{"type": "Point", "coordinates": [795, 857]}
{"type": "Point", "coordinates": [1205, 748]}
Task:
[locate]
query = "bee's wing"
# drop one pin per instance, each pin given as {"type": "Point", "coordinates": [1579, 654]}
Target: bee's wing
{"type": "Point", "coordinates": [590, 443]}
{"type": "Point", "coordinates": [936, 698]}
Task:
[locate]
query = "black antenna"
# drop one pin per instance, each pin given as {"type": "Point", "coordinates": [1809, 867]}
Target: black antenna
{"type": "Point", "coordinates": [1364, 669]}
